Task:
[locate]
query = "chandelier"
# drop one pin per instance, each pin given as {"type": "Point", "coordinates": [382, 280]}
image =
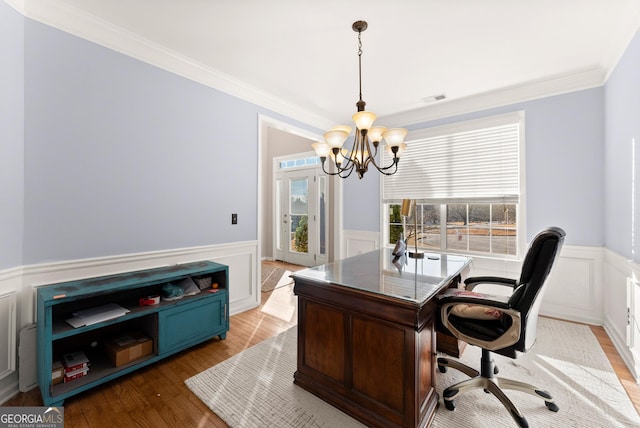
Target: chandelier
{"type": "Point", "coordinates": [366, 140]}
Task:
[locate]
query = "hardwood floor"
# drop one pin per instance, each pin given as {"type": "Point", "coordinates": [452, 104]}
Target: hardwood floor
{"type": "Point", "coordinates": [156, 396]}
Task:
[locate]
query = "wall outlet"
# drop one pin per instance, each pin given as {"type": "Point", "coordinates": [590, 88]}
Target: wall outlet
{"type": "Point", "coordinates": [234, 218]}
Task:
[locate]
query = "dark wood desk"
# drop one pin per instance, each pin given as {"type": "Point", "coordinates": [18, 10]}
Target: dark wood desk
{"type": "Point", "coordinates": [366, 339]}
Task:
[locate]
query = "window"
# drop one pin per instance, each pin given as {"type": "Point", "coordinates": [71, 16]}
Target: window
{"type": "Point", "coordinates": [465, 180]}
{"type": "Point", "coordinates": [295, 163]}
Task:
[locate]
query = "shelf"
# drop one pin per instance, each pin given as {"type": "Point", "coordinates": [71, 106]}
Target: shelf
{"type": "Point", "coordinates": [172, 325]}
{"type": "Point", "coordinates": [61, 329]}
{"type": "Point", "coordinates": [100, 368]}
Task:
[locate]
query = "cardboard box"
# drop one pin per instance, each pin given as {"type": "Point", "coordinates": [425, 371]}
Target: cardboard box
{"type": "Point", "coordinates": [128, 347]}
{"type": "Point", "coordinates": [57, 372]}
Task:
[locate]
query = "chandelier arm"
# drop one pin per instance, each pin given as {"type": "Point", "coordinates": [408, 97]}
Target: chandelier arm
{"type": "Point", "coordinates": [350, 169]}
{"type": "Point", "coordinates": [340, 169]}
{"type": "Point", "coordinates": [372, 159]}
{"type": "Point", "coordinates": [329, 173]}
{"type": "Point", "coordinates": [394, 162]}
{"type": "Point", "coordinates": [383, 170]}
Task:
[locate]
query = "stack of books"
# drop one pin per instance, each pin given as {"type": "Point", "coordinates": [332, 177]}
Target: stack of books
{"type": "Point", "coordinates": [76, 365]}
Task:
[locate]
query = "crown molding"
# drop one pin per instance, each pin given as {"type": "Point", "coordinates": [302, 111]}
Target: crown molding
{"type": "Point", "coordinates": [17, 5]}
{"type": "Point", "coordinates": [89, 27]}
{"type": "Point", "coordinates": [558, 85]}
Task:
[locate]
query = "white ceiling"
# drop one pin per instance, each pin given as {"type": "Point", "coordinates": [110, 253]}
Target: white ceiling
{"type": "Point", "coordinates": [303, 54]}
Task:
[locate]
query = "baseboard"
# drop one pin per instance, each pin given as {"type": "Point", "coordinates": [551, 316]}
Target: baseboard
{"type": "Point", "coordinates": [8, 388]}
{"type": "Point", "coordinates": [620, 344]}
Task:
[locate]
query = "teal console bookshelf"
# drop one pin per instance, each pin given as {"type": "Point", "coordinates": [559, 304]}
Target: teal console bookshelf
{"type": "Point", "coordinates": [172, 326]}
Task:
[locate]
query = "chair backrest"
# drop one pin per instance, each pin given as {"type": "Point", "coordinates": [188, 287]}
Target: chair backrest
{"type": "Point", "coordinates": [528, 291]}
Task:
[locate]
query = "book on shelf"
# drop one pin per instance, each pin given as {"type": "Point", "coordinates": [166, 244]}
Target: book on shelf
{"type": "Point", "coordinates": [69, 377]}
{"type": "Point", "coordinates": [76, 368]}
{"type": "Point", "coordinates": [81, 371]}
{"type": "Point", "coordinates": [74, 361]}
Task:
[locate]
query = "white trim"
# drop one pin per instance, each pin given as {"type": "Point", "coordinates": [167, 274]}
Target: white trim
{"type": "Point", "coordinates": [242, 296]}
{"type": "Point", "coordinates": [575, 289]}
{"type": "Point", "coordinates": [17, 5]}
{"type": "Point", "coordinates": [75, 21]}
{"type": "Point", "coordinates": [466, 125]}
{"type": "Point", "coordinates": [9, 299]}
{"type": "Point", "coordinates": [359, 241]}
{"type": "Point", "coordinates": [265, 122]}
{"type": "Point", "coordinates": [586, 79]}
{"type": "Point", "coordinates": [617, 271]}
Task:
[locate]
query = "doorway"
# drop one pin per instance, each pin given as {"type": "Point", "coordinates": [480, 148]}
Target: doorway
{"type": "Point", "coordinates": [301, 210]}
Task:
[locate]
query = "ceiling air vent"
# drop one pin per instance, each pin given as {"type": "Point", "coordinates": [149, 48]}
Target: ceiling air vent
{"type": "Point", "coordinates": [434, 98]}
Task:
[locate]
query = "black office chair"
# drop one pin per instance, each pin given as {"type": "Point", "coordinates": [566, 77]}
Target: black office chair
{"type": "Point", "coordinates": [506, 325]}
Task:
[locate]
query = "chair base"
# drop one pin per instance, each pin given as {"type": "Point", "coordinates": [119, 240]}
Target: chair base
{"type": "Point", "coordinates": [491, 384]}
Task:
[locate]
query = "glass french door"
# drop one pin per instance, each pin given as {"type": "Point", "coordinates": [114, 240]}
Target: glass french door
{"type": "Point", "coordinates": [300, 235]}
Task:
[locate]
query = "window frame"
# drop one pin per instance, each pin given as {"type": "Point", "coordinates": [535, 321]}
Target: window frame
{"type": "Point", "coordinates": [465, 126]}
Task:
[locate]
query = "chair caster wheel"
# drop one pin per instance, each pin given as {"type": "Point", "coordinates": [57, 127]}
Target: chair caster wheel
{"type": "Point", "coordinates": [450, 405]}
{"type": "Point", "coordinates": [442, 369]}
{"type": "Point", "coordinates": [495, 370]}
{"type": "Point", "coordinates": [551, 406]}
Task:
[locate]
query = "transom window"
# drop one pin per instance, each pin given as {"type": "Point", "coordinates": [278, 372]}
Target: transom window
{"type": "Point", "coordinates": [295, 163]}
{"type": "Point", "coordinates": [465, 180]}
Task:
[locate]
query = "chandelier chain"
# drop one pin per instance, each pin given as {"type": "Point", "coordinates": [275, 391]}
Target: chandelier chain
{"type": "Point", "coordinates": [360, 62]}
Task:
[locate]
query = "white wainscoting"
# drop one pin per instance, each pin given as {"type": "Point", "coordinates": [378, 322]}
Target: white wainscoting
{"type": "Point", "coordinates": [620, 279]}
{"type": "Point", "coordinates": [18, 288]}
{"type": "Point", "coordinates": [356, 242]}
{"type": "Point", "coordinates": [10, 281]}
{"type": "Point", "coordinates": [575, 286]}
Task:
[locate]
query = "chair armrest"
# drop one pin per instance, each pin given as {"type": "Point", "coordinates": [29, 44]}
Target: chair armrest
{"type": "Point", "coordinates": [471, 283]}
{"type": "Point", "coordinates": [486, 302]}
{"type": "Point", "coordinates": [498, 302]}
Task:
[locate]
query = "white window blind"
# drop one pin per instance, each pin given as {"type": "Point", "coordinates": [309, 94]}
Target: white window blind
{"type": "Point", "coordinates": [474, 165]}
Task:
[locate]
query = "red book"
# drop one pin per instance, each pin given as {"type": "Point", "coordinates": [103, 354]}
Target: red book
{"type": "Point", "coordinates": [74, 361]}
{"type": "Point", "coordinates": [68, 378]}
{"type": "Point", "coordinates": [83, 366]}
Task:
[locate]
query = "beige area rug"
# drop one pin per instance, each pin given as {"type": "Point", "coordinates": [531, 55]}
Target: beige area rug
{"type": "Point", "coordinates": [282, 303]}
{"type": "Point", "coordinates": [274, 277]}
{"type": "Point", "coordinates": [255, 388]}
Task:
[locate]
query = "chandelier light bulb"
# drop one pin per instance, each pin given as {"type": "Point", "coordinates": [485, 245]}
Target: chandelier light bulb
{"type": "Point", "coordinates": [322, 149]}
{"type": "Point", "coordinates": [335, 138]}
{"type": "Point", "coordinates": [394, 136]}
{"type": "Point", "coordinates": [364, 120]}
{"type": "Point", "coordinates": [375, 133]}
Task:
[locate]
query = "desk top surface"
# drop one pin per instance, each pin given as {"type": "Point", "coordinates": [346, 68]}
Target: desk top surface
{"type": "Point", "coordinates": [383, 273]}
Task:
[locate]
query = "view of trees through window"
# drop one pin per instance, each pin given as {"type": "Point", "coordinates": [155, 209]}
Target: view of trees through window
{"type": "Point", "coordinates": [480, 228]}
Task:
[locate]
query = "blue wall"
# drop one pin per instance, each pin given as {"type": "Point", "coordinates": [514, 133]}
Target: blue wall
{"type": "Point", "coordinates": [11, 136]}
{"type": "Point", "coordinates": [103, 154]}
{"type": "Point", "coordinates": [123, 157]}
{"type": "Point", "coordinates": [564, 137]}
{"type": "Point", "coordinates": [622, 155]}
